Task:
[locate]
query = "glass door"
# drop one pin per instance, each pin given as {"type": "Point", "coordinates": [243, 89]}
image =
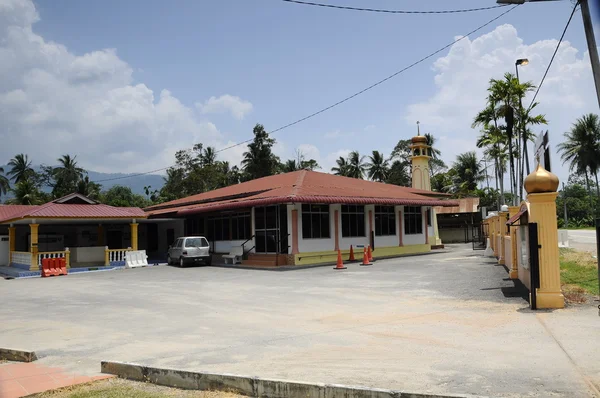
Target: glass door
{"type": "Point", "coordinates": [266, 229]}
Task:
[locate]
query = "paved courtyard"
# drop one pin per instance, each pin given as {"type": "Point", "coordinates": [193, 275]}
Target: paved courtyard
{"type": "Point", "coordinates": [440, 323]}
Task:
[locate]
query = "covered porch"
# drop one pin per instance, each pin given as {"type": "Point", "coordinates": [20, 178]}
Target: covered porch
{"type": "Point", "coordinates": [86, 234]}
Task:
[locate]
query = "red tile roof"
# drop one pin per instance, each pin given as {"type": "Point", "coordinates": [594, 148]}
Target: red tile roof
{"type": "Point", "coordinates": [67, 210]}
{"type": "Point", "coordinates": [299, 187]}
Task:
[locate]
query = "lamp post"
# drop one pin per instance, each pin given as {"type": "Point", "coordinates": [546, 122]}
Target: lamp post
{"type": "Point", "coordinates": [522, 133]}
{"type": "Point", "coordinates": [589, 35]}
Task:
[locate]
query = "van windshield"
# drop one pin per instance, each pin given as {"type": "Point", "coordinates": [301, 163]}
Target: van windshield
{"type": "Point", "coordinates": [196, 242]}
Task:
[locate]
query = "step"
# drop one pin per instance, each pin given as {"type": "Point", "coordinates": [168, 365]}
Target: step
{"type": "Point", "coordinates": [257, 263]}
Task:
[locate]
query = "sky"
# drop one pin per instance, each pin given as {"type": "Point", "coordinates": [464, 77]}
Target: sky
{"type": "Point", "coordinates": [125, 84]}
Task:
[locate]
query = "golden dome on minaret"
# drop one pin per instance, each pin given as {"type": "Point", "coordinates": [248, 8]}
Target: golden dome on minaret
{"type": "Point", "coordinates": [541, 181]}
{"type": "Point", "coordinates": [419, 139]}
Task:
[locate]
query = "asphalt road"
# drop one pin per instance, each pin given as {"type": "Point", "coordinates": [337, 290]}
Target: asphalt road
{"type": "Point", "coordinates": [439, 323]}
{"type": "Point", "coordinates": [582, 239]}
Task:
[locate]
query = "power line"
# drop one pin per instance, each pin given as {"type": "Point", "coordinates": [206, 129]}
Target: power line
{"type": "Point", "coordinates": [308, 3]}
{"type": "Point", "coordinates": [343, 100]}
{"type": "Point", "coordinates": [553, 55]}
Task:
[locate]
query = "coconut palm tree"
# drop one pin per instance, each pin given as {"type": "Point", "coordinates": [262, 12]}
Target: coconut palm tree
{"type": "Point", "coordinates": [90, 189]}
{"type": "Point", "coordinates": [356, 165]}
{"type": "Point", "coordinates": [289, 166]}
{"type": "Point", "coordinates": [25, 193]}
{"type": "Point", "coordinates": [469, 173]}
{"type": "Point", "coordinates": [378, 167]}
{"type": "Point", "coordinates": [20, 168]}
{"type": "Point", "coordinates": [342, 167]}
{"type": "Point", "coordinates": [493, 141]}
{"type": "Point", "coordinates": [4, 183]}
{"type": "Point", "coordinates": [209, 156]}
{"type": "Point", "coordinates": [66, 176]}
{"type": "Point", "coordinates": [581, 148]}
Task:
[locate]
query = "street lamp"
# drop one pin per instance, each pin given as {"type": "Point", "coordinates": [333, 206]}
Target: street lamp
{"type": "Point", "coordinates": [522, 62]}
{"type": "Point", "coordinates": [589, 35]}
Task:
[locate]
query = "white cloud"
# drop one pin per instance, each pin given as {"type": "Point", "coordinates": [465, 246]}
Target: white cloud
{"type": "Point", "coordinates": [238, 107]}
{"type": "Point", "coordinates": [462, 78]}
{"type": "Point", "coordinates": [370, 127]}
{"type": "Point", "coordinates": [329, 160]}
{"type": "Point", "coordinates": [53, 102]}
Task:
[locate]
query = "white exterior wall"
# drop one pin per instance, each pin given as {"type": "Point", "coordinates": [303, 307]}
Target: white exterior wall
{"type": "Point", "coordinates": [315, 245]}
{"type": "Point", "coordinates": [416, 239]}
{"type": "Point", "coordinates": [328, 244]}
{"type": "Point", "coordinates": [224, 246]}
{"type": "Point", "coordinates": [177, 225]}
{"type": "Point", "coordinates": [359, 240]}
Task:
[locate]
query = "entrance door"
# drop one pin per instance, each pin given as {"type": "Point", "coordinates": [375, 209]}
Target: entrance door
{"type": "Point", "coordinates": [114, 239]}
{"type": "Point", "coordinates": [170, 238]}
{"type": "Point", "coordinates": [267, 231]}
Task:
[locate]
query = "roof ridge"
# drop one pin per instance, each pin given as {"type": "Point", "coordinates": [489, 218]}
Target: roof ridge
{"type": "Point", "coordinates": [298, 183]}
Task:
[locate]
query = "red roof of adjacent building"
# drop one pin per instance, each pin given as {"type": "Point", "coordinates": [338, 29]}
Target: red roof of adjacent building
{"type": "Point", "coordinates": [302, 186]}
{"type": "Point", "coordinates": [61, 208]}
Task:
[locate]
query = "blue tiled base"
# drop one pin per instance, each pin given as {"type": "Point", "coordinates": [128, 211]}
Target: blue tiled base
{"type": "Point", "coordinates": [21, 266]}
{"type": "Point", "coordinates": [13, 272]}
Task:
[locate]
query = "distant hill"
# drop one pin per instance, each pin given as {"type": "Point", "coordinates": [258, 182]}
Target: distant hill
{"type": "Point", "coordinates": [136, 183]}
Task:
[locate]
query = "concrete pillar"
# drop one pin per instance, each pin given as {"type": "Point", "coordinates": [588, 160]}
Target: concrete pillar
{"type": "Point", "coordinates": [436, 231]}
{"type": "Point", "coordinates": [542, 210]}
{"type": "Point", "coordinates": [370, 226]}
{"type": "Point", "coordinates": [12, 243]}
{"type": "Point", "coordinates": [106, 256]}
{"type": "Point", "coordinates": [295, 231]}
{"type": "Point", "coordinates": [502, 232]}
{"type": "Point", "coordinates": [33, 249]}
{"type": "Point", "coordinates": [100, 235]}
{"type": "Point", "coordinates": [541, 187]}
{"type": "Point", "coordinates": [336, 229]}
{"type": "Point", "coordinates": [134, 235]}
{"type": "Point", "coordinates": [400, 228]}
{"type": "Point", "coordinates": [514, 270]}
{"type": "Point", "coordinates": [425, 227]}
{"type": "Point", "coordinates": [67, 258]}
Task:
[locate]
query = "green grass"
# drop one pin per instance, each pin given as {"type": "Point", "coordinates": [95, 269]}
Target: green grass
{"type": "Point", "coordinates": [119, 388]}
{"type": "Point", "coordinates": [579, 269]}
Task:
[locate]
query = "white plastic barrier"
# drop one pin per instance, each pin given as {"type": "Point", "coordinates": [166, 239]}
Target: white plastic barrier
{"type": "Point", "coordinates": [563, 238]}
{"type": "Point", "coordinates": [489, 252]}
{"type": "Point", "coordinates": [136, 258]}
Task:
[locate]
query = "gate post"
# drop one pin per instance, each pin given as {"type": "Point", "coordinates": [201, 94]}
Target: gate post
{"type": "Point", "coordinates": [541, 186]}
{"type": "Point", "coordinates": [502, 233]}
{"type": "Point", "coordinates": [514, 270]}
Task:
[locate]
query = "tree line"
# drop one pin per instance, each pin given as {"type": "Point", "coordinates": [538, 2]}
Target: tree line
{"type": "Point", "coordinates": [33, 187]}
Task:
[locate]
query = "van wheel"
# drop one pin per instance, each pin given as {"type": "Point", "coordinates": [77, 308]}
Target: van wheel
{"type": "Point", "coordinates": [181, 262]}
{"type": "Point", "coordinates": [169, 261]}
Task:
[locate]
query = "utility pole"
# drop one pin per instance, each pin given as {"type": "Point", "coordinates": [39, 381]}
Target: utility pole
{"type": "Point", "coordinates": [591, 43]}
{"type": "Point", "coordinates": [564, 194]}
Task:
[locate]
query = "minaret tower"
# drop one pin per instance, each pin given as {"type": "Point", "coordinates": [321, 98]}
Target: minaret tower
{"type": "Point", "coordinates": [421, 153]}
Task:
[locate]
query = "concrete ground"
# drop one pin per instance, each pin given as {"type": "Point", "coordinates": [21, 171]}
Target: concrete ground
{"type": "Point", "coordinates": [583, 239]}
{"type": "Point", "coordinates": [440, 323]}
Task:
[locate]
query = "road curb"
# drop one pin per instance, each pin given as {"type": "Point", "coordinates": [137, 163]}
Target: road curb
{"type": "Point", "coordinates": [9, 354]}
{"type": "Point", "coordinates": [252, 386]}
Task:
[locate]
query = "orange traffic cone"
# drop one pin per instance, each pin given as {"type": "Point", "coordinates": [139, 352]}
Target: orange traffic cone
{"type": "Point", "coordinates": [340, 264]}
{"type": "Point", "coordinates": [351, 254]}
{"type": "Point", "coordinates": [369, 253]}
{"type": "Point", "coordinates": [366, 258]}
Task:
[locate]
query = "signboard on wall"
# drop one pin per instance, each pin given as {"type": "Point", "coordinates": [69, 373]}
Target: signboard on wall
{"type": "Point", "coordinates": [542, 150]}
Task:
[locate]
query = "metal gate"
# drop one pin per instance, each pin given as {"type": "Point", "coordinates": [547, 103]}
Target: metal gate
{"type": "Point", "coordinates": [480, 235]}
{"type": "Point", "coordinates": [534, 263]}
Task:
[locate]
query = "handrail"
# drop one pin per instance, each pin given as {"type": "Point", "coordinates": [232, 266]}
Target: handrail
{"type": "Point", "coordinates": [249, 250]}
{"type": "Point", "coordinates": [243, 244]}
{"type": "Point", "coordinates": [248, 240]}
